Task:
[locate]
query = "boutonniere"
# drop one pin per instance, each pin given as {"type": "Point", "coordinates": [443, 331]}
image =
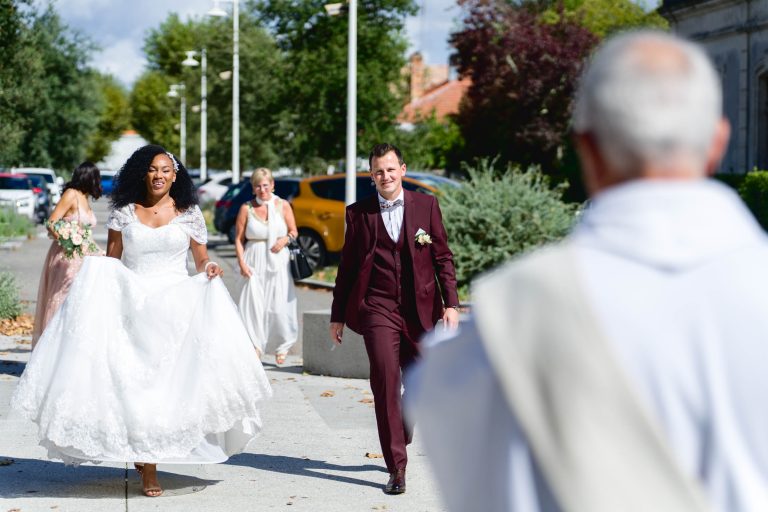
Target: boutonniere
{"type": "Point", "coordinates": [422, 237]}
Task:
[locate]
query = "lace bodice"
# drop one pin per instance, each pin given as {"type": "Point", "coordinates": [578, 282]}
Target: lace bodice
{"type": "Point", "coordinates": [148, 250]}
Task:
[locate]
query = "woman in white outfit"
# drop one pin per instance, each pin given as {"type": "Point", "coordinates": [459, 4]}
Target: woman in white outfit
{"type": "Point", "coordinates": [143, 362]}
{"type": "Point", "coordinates": [267, 302]}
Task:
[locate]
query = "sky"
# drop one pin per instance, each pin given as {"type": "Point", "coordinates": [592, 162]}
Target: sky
{"type": "Point", "coordinates": [118, 27]}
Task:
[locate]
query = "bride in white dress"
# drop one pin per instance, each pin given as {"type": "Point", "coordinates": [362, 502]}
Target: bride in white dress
{"type": "Point", "coordinates": [143, 362]}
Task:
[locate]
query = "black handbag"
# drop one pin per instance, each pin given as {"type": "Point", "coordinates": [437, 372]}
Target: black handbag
{"type": "Point", "coordinates": [300, 267]}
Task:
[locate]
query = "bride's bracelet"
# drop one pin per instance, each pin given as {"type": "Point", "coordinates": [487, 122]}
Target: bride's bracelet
{"type": "Point", "coordinates": [205, 269]}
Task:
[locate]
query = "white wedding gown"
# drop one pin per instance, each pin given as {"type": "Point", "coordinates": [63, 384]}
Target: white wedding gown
{"type": "Point", "coordinates": [143, 362]}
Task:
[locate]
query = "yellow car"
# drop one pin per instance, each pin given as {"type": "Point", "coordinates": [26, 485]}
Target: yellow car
{"type": "Point", "coordinates": [319, 211]}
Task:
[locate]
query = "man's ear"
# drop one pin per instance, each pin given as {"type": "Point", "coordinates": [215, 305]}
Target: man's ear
{"type": "Point", "coordinates": [718, 146]}
{"type": "Point", "coordinates": [593, 167]}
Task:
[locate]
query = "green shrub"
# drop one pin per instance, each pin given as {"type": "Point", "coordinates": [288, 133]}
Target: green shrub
{"type": "Point", "coordinates": [496, 215]}
{"type": "Point", "coordinates": [12, 224]}
{"type": "Point", "coordinates": [754, 191]}
{"type": "Point", "coordinates": [10, 304]}
{"type": "Point", "coordinates": [208, 214]}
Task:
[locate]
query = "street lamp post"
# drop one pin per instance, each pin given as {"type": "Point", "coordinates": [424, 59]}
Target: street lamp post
{"type": "Point", "coordinates": [174, 93]}
{"type": "Point", "coordinates": [190, 61]}
{"type": "Point", "coordinates": [218, 11]}
{"type": "Point", "coordinates": [351, 167]}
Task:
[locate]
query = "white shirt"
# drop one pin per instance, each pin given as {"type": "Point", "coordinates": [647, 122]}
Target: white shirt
{"type": "Point", "coordinates": [677, 274]}
{"type": "Point", "coordinates": [393, 216]}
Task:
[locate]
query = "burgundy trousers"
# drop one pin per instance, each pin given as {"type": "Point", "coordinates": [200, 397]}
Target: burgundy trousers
{"type": "Point", "coordinates": [392, 344]}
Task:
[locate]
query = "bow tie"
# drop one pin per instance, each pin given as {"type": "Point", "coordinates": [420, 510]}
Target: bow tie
{"type": "Point", "coordinates": [390, 204]}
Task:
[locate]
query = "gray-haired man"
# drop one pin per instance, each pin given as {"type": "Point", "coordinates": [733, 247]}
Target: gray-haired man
{"type": "Point", "coordinates": [624, 369]}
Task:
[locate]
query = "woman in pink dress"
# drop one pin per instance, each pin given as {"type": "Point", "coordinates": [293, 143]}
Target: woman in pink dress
{"type": "Point", "coordinates": [58, 271]}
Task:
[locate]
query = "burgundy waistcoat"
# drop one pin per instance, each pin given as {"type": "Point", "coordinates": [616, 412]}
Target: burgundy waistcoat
{"type": "Point", "coordinates": [391, 283]}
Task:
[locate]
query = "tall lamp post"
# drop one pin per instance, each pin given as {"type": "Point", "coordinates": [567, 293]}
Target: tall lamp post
{"type": "Point", "coordinates": [191, 62]}
{"type": "Point", "coordinates": [351, 167]}
{"type": "Point", "coordinates": [173, 92]}
{"type": "Point", "coordinates": [218, 11]}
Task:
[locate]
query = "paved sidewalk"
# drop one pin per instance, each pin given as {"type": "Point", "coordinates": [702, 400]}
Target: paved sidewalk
{"type": "Point", "coordinates": [310, 456]}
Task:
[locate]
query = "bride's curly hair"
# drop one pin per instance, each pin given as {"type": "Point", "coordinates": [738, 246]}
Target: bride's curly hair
{"type": "Point", "coordinates": [131, 188]}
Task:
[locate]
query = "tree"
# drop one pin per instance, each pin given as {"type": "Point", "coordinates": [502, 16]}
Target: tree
{"type": "Point", "coordinates": [523, 73]}
{"type": "Point", "coordinates": [314, 91]}
{"type": "Point", "coordinates": [114, 117]}
{"type": "Point", "coordinates": [49, 101]}
{"type": "Point", "coordinates": [603, 17]}
{"type": "Point", "coordinates": [431, 143]}
{"type": "Point", "coordinates": [156, 117]}
{"type": "Point", "coordinates": [153, 113]}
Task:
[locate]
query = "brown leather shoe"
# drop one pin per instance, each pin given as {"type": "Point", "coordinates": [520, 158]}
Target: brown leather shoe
{"type": "Point", "coordinates": [396, 484]}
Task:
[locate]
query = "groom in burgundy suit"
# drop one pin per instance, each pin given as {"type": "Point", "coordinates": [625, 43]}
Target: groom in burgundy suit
{"type": "Point", "coordinates": [395, 254]}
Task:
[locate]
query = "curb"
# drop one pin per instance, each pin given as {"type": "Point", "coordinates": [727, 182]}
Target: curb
{"type": "Point", "coordinates": [315, 284]}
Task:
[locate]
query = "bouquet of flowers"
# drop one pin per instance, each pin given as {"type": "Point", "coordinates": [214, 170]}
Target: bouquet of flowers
{"type": "Point", "coordinates": [76, 239]}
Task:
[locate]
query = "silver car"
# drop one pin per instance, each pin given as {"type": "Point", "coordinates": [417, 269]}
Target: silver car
{"type": "Point", "coordinates": [16, 193]}
{"type": "Point", "coordinates": [55, 183]}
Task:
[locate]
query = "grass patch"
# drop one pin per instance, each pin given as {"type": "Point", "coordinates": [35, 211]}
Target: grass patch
{"type": "Point", "coordinates": [326, 274]}
{"type": "Point", "coordinates": [10, 303]}
{"type": "Point", "coordinates": [13, 225]}
{"type": "Point", "coordinates": [208, 213]}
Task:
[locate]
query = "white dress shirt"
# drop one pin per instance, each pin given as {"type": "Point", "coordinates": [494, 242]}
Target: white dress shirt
{"type": "Point", "coordinates": [393, 216]}
{"type": "Point", "coordinates": [677, 274]}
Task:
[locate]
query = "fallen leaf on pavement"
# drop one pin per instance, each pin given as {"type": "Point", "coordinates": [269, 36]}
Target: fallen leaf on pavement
{"type": "Point", "coordinates": [328, 393]}
{"type": "Point", "coordinates": [6, 462]}
{"type": "Point", "coordinates": [19, 326]}
{"type": "Point", "coordinates": [366, 401]}
{"type": "Point", "coordinates": [370, 455]}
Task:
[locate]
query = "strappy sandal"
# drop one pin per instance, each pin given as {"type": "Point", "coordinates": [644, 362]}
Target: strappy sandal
{"type": "Point", "coordinates": [280, 358]}
{"type": "Point", "coordinates": [151, 491]}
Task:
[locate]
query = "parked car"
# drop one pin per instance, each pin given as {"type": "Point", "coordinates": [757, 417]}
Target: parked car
{"type": "Point", "coordinates": [107, 181]}
{"type": "Point", "coordinates": [319, 210]}
{"type": "Point", "coordinates": [43, 206]}
{"type": "Point", "coordinates": [217, 185]}
{"type": "Point", "coordinates": [53, 182]}
{"type": "Point", "coordinates": [433, 180]}
{"type": "Point", "coordinates": [16, 193]}
{"type": "Point", "coordinates": [242, 192]}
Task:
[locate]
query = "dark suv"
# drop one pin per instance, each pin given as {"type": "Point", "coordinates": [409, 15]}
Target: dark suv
{"type": "Point", "coordinates": [236, 195]}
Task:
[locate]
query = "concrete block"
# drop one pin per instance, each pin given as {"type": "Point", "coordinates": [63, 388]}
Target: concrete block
{"type": "Point", "coordinates": [348, 360]}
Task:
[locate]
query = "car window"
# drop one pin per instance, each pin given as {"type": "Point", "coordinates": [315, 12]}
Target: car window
{"type": "Point", "coordinates": [7, 183]}
{"type": "Point", "coordinates": [287, 189]}
{"type": "Point", "coordinates": [46, 177]}
{"type": "Point", "coordinates": [329, 189]}
{"type": "Point", "coordinates": [415, 187]}
{"type": "Point", "coordinates": [243, 191]}
{"type": "Point", "coordinates": [365, 187]}
{"type": "Point", "coordinates": [237, 190]}
{"type": "Point", "coordinates": [226, 182]}
{"type": "Point", "coordinates": [37, 180]}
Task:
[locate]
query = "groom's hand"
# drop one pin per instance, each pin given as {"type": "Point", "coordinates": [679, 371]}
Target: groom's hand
{"type": "Point", "coordinates": [337, 329]}
{"type": "Point", "coordinates": [451, 318]}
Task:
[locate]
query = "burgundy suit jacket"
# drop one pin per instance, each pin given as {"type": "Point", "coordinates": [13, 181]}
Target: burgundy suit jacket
{"type": "Point", "coordinates": [432, 263]}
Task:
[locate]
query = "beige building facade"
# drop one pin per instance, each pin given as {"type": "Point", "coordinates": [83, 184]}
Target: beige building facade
{"type": "Point", "coordinates": [735, 34]}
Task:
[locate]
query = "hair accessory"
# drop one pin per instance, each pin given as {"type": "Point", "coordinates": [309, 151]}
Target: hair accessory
{"type": "Point", "coordinates": [173, 159]}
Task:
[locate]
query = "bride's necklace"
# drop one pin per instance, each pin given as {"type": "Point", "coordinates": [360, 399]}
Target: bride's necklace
{"type": "Point", "coordinates": [157, 208]}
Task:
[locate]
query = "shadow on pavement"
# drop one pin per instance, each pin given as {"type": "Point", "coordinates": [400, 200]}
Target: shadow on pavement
{"type": "Point", "coordinates": [28, 478]}
{"type": "Point", "coordinates": [15, 368]}
{"type": "Point", "coordinates": [304, 467]}
{"type": "Point", "coordinates": [272, 367]}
